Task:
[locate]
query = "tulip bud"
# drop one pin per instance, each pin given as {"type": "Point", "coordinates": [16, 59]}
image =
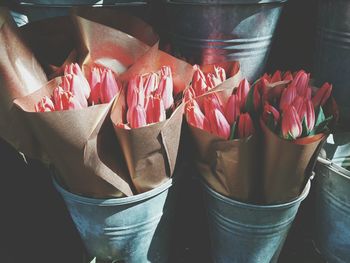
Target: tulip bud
{"type": "Point", "coordinates": [276, 77]}
{"type": "Point", "coordinates": [199, 81]}
{"type": "Point", "coordinates": [291, 123]}
{"type": "Point", "coordinates": [188, 94]}
{"type": "Point", "coordinates": [151, 84]}
{"type": "Point", "coordinates": [80, 82]}
{"type": "Point", "coordinates": [287, 76]}
{"type": "Point", "coordinates": [95, 85]}
{"type": "Point", "coordinates": [245, 126]}
{"type": "Point", "coordinates": [270, 111]}
{"type": "Point", "coordinates": [75, 85]}
{"type": "Point", "coordinates": [242, 92]}
{"type": "Point", "coordinates": [232, 110]}
{"type": "Point", "coordinates": [298, 104]}
{"type": "Point", "coordinates": [288, 96]}
{"type": "Point", "coordinates": [166, 87]}
{"type": "Point", "coordinates": [219, 73]}
{"type": "Point", "coordinates": [308, 112]}
{"type": "Point", "coordinates": [266, 77]}
{"type": "Point", "coordinates": [45, 105]}
{"type": "Point", "coordinates": [218, 124]}
{"type": "Point", "coordinates": [137, 116]}
{"type": "Point", "coordinates": [65, 100]}
{"type": "Point", "coordinates": [131, 96]}
{"type": "Point", "coordinates": [301, 82]}
{"type": "Point", "coordinates": [211, 102]}
{"type": "Point", "coordinates": [322, 95]}
{"type": "Point", "coordinates": [195, 117]}
{"type": "Point", "coordinates": [109, 86]}
{"type": "Point", "coordinates": [155, 111]}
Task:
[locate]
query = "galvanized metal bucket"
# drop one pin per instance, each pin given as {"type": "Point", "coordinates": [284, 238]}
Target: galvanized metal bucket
{"type": "Point", "coordinates": [332, 58]}
{"type": "Point", "coordinates": [248, 233]}
{"type": "Point", "coordinates": [332, 232]}
{"type": "Point", "coordinates": [42, 9]}
{"type": "Point", "coordinates": [210, 31]}
{"type": "Point", "coordinates": [132, 229]}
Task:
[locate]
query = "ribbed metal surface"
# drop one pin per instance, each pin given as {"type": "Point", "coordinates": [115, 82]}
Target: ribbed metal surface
{"type": "Point", "coordinates": [133, 229]}
{"type": "Point", "coordinates": [217, 31]}
{"type": "Point", "coordinates": [332, 59]}
{"type": "Point", "coordinates": [332, 212]}
{"type": "Point", "coordinates": [247, 233]}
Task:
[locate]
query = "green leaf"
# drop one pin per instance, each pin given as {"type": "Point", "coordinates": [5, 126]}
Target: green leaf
{"type": "Point", "coordinates": [249, 103]}
{"type": "Point", "coordinates": [320, 117]}
{"type": "Point", "coordinates": [233, 131]}
{"type": "Point", "coordinates": [305, 131]}
{"type": "Point", "coordinates": [321, 123]}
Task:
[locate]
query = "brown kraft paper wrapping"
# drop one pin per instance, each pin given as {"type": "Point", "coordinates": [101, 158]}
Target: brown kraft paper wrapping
{"type": "Point", "coordinates": [285, 164]}
{"type": "Point", "coordinates": [20, 74]}
{"type": "Point", "coordinates": [228, 166]}
{"type": "Point", "coordinates": [63, 135]}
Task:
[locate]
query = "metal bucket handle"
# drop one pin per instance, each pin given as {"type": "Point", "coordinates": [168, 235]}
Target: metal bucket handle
{"type": "Point", "coordinates": [223, 2]}
{"type": "Point", "coordinates": [334, 166]}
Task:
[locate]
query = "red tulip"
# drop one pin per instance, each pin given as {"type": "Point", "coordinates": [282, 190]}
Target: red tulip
{"type": "Point", "coordinates": [109, 86]}
{"type": "Point", "coordinates": [308, 112]}
{"type": "Point", "coordinates": [291, 123]}
{"type": "Point", "coordinates": [301, 82]}
{"type": "Point", "coordinates": [65, 100]}
{"type": "Point", "coordinates": [288, 96]}
{"type": "Point", "coordinates": [166, 87]}
{"type": "Point", "coordinates": [135, 84]}
{"type": "Point", "coordinates": [80, 82]}
{"type": "Point", "coordinates": [242, 92]}
{"type": "Point", "coordinates": [287, 76]}
{"type": "Point", "coordinates": [298, 104]}
{"type": "Point", "coordinates": [210, 102]}
{"type": "Point", "coordinates": [322, 95]}
{"type": "Point", "coordinates": [276, 77]}
{"type": "Point", "coordinates": [245, 126]}
{"type": "Point", "coordinates": [199, 81]}
{"type": "Point", "coordinates": [270, 111]}
{"type": "Point", "coordinates": [155, 111]}
{"type": "Point", "coordinates": [95, 85]}
{"type": "Point", "coordinates": [266, 77]}
{"type": "Point", "coordinates": [137, 116]}
{"type": "Point", "coordinates": [218, 124]}
{"type": "Point", "coordinates": [189, 94]}
{"type": "Point", "coordinates": [45, 105]}
{"type": "Point", "coordinates": [232, 110]}
{"type": "Point", "coordinates": [195, 117]}
{"type": "Point", "coordinates": [150, 84]}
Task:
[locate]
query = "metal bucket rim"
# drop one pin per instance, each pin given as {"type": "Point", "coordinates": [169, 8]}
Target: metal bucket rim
{"type": "Point", "coordinates": [40, 5]}
{"type": "Point", "coordinates": [237, 203]}
{"type": "Point", "coordinates": [336, 168]}
{"type": "Point", "coordinates": [112, 201]}
{"type": "Point", "coordinates": [233, 2]}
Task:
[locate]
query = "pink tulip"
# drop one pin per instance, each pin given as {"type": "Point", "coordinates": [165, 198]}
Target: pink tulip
{"type": "Point", "coordinates": [137, 116]}
{"type": "Point", "coordinates": [199, 81]}
{"type": "Point", "coordinates": [245, 126]}
{"type": "Point", "coordinates": [232, 110]}
{"type": "Point", "coordinates": [322, 95]}
{"type": "Point", "coordinates": [189, 94]}
{"type": "Point", "coordinates": [270, 111]}
{"type": "Point", "coordinates": [109, 86]}
{"type": "Point", "coordinates": [308, 112]}
{"type": "Point", "coordinates": [212, 101]}
{"type": "Point", "coordinates": [65, 100]}
{"type": "Point", "coordinates": [242, 92]}
{"type": "Point", "coordinates": [45, 105]}
{"type": "Point", "coordinates": [298, 104]}
{"type": "Point", "coordinates": [287, 76]}
{"type": "Point", "coordinates": [195, 117]}
{"type": "Point", "coordinates": [219, 73]}
{"type": "Point", "coordinates": [288, 96]}
{"type": "Point", "coordinates": [301, 82]}
{"type": "Point", "coordinates": [218, 124]}
{"type": "Point", "coordinates": [95, 85]}
{"type": "Point", "coordinates": [291, 123]}
{"type": "Point", "coordinates": [155, 111]}
{"type": "Point", "coordinates": [276, 77]}
{"type": "Point", "coordinates": [79, 80]}
{"type": "Point", "coordinates": [75, 85]}
{"type": "Point", "coordinates": [211, 81]}
{"type": "Point", "coordinates": [166, 87]}
{"type": "Point", "coordinates": [266, 77]}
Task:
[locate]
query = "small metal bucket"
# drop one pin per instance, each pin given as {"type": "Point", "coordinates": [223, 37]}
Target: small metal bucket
{"type": "Point", "coordinates": [332, 233]}
{"type": "Point", "coordinates": [332, 58]}
{"type": "Point", "coordinates": [241, 232]}
{"type": "Point", "coordinates": [211, 31]}
{"type": "Point", "coordinates": [131, 230]}
{"type": "Point", "coordinates": [42, 9]}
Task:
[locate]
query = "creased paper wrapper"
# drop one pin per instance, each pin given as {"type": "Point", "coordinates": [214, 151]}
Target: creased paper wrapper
{"type": "Point", "coordinates": [20, 75]}
{"type": "Point", "coordinates": [151, 151]}
{"type": "Point", "coordinates": [288, 165]}
{"type": "Point", "coordinates": [63, 135]}
{"type": "Point", "coordinates": [74, 140]}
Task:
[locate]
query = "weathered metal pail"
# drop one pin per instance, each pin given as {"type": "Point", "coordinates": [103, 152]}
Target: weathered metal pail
{"type": "Point", "coordinates": [211, 31]}
{"type": "Point", "coordinates": [42, 9]}
{"type": "Point", "coordinates": [241, 232]}
{"type": "Point", "coordinates": [131, 230]}
{"type": "Point", "coordinates": [332, 58]}
{"type": "Point", "coordinates": [332, 232]}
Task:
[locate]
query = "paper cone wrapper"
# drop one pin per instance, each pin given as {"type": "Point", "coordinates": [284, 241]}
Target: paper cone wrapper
{"type": "Point", "coordinates": [228, 166]}
{"type": "Point", "coordinates": [63, 135]}
{"type": "Point", "coordinates": [20, 75]}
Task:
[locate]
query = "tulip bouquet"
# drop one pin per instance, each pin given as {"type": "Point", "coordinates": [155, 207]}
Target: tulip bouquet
{"type": "Point", "coordinates": [295, 120]}
{"type": "Point", "coordinates": [226, 138]}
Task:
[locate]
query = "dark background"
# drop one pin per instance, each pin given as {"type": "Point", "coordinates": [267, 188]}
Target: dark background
{"type": "Point", "coordinates": [35, 226]}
